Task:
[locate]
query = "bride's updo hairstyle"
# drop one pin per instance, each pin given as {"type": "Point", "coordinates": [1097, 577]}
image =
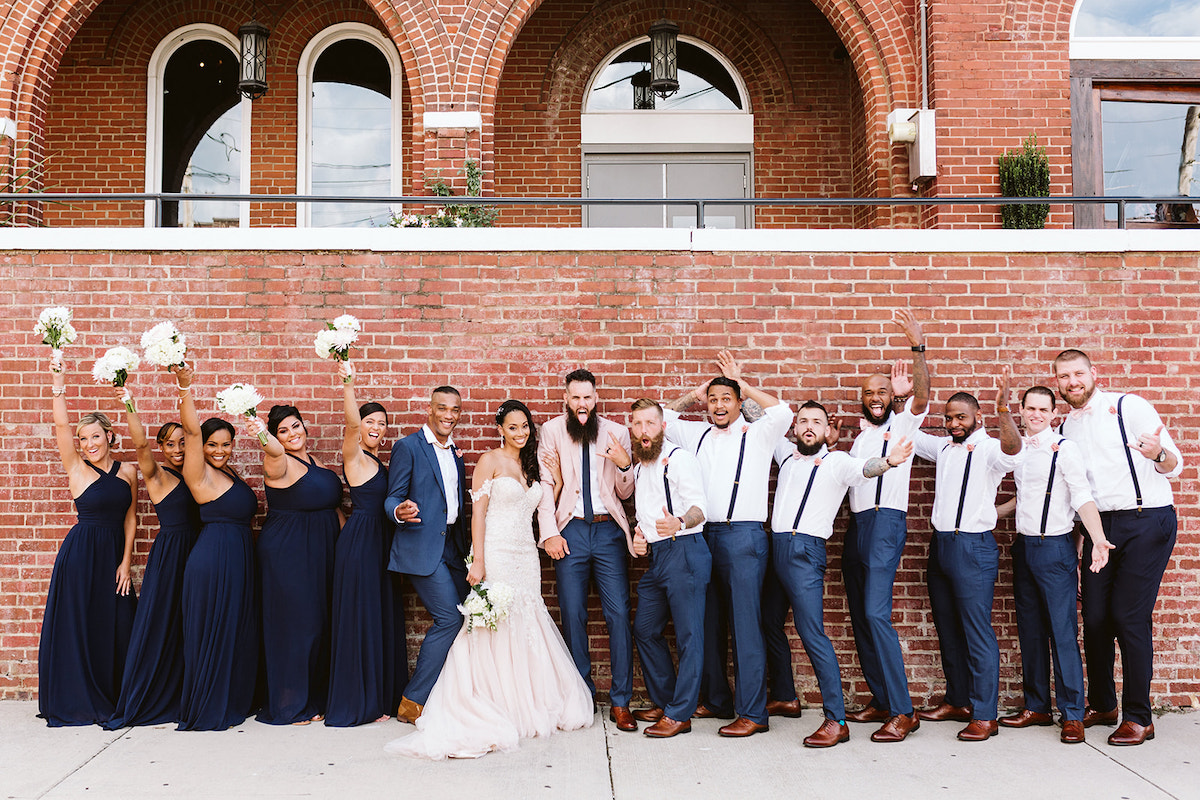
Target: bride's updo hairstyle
{"type": "Point", "coordinates": [529, 460]}
{"type": "Point", "coordinates": [278, 414]}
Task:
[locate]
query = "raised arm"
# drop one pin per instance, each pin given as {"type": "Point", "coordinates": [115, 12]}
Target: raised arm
{"type": "Point", "coordinates": [901, 452]}
{"type": "Point", "coordinates": [688, 400]}
{"type": "Point", "coordinates": [731, 368]}
{"type": "Point", "coordinates": [65, 438]}
{"type": "Point", "coordinates": [920, 369]}
{"type": "Point", "coordinates": [1010, 437]}
{"type": "Point", "coordinates": [141, 445]}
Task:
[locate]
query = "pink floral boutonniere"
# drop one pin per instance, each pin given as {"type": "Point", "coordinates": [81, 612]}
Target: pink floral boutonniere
{"type": "Point", "coordinates": [745, 428]}
{"type": "Point", "coordinates": [887, 436]}
{"type": "Point", "coordinates": [817, 462]}
{"type": "Point", "coordinates": [1054, 447]}
{"type": "Point", "coordinates": [970, 447]}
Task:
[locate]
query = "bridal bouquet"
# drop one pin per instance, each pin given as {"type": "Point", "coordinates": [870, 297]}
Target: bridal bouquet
{"type": "Point", "coordinates": [114, 367]}
{"type": "Point", "coordinates": [163, 345]}
{"type": "Point", "coordinates": [336, 337]}
{"type": "Point", "coordinates": [487, 604]}
{"type": "Point", "coordinates": [241, 400]}
{"type": "Point", "coordinates": [55, 328]}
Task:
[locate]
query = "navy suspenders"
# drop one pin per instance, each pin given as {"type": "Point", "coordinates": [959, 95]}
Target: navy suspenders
{"type": "Point", "coordinates": [1137, 487]}
{"type": "Point", "coordinates": [737, 476]}
{"type": "Point", "coordinates": [1049, 488]}
{"type": "Point", "coordinates": [962, 496]}
{"type": "Point", "coordinates": [879, 480]}
{"type": "Point", "coordinates": [804, 500]}
{"type": "Point", "coordinates": [666, 484]}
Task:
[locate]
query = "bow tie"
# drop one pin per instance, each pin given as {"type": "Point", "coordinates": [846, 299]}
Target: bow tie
{"type": "Point", "coordinates": [1080, 412]}
{"type": "Point", "coordinates": [447, 446]}
{"type": "Point", "coordinates": [969, 447]}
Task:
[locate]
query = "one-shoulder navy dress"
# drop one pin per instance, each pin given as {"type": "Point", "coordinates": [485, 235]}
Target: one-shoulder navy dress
{"type": "Point", "coordinates": [220, 619]}
{"type": "Point", "coordinates": [86, 627]}
{"type": "Point", "coordinates": [295, 560]}
{"type": "Point", "coordinates": [154, 667]}
{"type": "Point", "coordinates": [369, 657]}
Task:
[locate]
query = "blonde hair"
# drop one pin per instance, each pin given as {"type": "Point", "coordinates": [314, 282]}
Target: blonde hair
{"type": "Point", "coordinates": [98, 418]}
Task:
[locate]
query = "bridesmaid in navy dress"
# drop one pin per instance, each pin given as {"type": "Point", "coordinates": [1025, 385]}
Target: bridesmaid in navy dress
{"type": "Point", "coordinates": [369, 656]}
{"type": "Point", "coordinates": [220, 618]}
{"type": "Point", "coordinates": [90, 605]}
{"type": "Point", "coordinates": [154, 667]}
{"type": "Point", "coordinates": [295, 560]}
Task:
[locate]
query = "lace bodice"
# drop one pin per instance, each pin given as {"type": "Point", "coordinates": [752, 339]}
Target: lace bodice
{"type": "Point", "coordinates": [509, 548]}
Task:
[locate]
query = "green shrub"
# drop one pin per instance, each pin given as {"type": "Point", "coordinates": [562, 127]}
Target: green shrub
{"type": "Point", "coordinates": [1025, 173]}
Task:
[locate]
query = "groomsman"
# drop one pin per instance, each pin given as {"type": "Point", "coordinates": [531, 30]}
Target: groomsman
{"type": "Point", "coordinates": [1052, 486]}
{"type": "Point", "coordinates": [963, 558]}
{"type": "Point", "coordinates": [670, 515]}
{"type": "Point", "coordinates": [735, 460]}
{"type": "Point", "coordinates": [587, 534]}
{"type": "Point", "coordinates": [812, 482]}
{"type": "Point", "coordinates": [892, 408]}
{"type": "Point", "coordinates": [427, 499]}
{"type": "Point", "coordinates": [1130, 459]}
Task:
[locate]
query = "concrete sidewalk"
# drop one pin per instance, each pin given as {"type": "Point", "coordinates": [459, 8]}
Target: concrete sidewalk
{"type": "Point", "coordinates": [258, 760]}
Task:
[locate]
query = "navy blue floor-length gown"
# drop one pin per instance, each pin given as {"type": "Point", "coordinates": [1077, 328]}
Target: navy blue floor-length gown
{"type": "Point", "coordinates": [295, 560]}
{"type": "Point", "coordinates": [154, 667]}
{"type": "Point", "coordinates": [220, 618]}
{"type": "Point", "coordinates": [369, 655]}
{"type": "Point", "coordinates": [86, 627]}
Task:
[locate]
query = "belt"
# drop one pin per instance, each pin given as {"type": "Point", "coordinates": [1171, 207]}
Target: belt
{"type": "Point", "coordinates": [669, 540]}
{"type": "Point", "coordinates": [597, 518]}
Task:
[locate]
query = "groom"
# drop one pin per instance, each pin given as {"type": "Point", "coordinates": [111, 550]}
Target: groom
{"type": "Point", "coordinates": [427, 499]}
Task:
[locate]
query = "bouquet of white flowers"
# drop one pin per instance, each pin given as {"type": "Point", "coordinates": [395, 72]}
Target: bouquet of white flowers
{"type": "Point", "coordinates": [54, 326]}
{"type": "Point", "coordinates": [335, 339]}
{"type": "Point", "coordinates": [241, 400]}
{"type": "Point", "coordinates": [163, 345]}
{"type": "Point", "coordinates": [487, 603]}
{"type": "Point", "coordinates": [114, 367]}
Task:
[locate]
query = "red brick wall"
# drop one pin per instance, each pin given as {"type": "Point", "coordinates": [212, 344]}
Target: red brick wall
{"type": "Point", "coordinates": [511, 324]}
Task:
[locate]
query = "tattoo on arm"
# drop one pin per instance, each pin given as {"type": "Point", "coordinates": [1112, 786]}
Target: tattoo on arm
{"type": "Point", "coordinates": [693, 517]}
{"type": "Point", "coordinates": [875, 467]}
{"type": "Point", "coordinates": [683, 403]}
{"type": "Point", "coordinates": [752, 410]}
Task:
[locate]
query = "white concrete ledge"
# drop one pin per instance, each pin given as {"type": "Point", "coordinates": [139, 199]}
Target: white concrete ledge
{"type": "Point", "coordinates": [471, 120]}
{"type": "Point", "coordinates": [401, 240]}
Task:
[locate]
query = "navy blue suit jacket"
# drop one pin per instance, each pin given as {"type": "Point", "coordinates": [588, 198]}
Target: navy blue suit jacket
{"type": "Point", "coordinates": [414, 474]}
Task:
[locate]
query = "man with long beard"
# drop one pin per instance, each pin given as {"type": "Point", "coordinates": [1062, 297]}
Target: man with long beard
{"type": "Point", "coordinates": [735, 459]}
{"type": "Point", "coordinates": [670, 514]}
{"type": "Point", "coordinates": [587, 534]}
{"type": "Point", "coordinates": [963, 557]}
{"type": "Point", "coordinates": [1130, 459]}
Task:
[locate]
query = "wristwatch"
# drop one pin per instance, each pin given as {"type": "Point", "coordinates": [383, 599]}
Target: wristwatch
{"type": "Point", "coordinates": [1161, 457]}
{"type": "Point", "coordinates": [682, 524]}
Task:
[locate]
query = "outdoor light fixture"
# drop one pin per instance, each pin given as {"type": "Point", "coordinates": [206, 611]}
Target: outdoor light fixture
{"type": "Point", "coordinates": [664, 76]}
{"type": "Point", "coordinates": [643, 97]}
{"type": "Point", "coordinates": [252, 82]}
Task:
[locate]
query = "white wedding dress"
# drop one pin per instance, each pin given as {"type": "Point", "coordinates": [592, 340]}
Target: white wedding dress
{"type": "Point", "coordinates": [518, 681]}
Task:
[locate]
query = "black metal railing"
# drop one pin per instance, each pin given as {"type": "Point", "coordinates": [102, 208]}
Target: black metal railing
{"type": "Point", "coordinates": [700, 204]}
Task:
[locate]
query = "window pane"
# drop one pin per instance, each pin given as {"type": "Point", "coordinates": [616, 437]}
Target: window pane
{"type": "Point", "coordinates": [1143, 146]}
{"type": "Point", "coordinates": [351, 147]}
{"type": "Point", "coordinates": [1119, 18]}
{"type": "Point", "coordinates": [704, 84]}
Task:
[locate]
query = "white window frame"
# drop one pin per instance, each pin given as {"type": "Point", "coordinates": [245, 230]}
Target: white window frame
{"type": "Point", "coordinates": [1125, 48]}
{"type": "Point", "coordinates": [154, 118]}
{"type": "Point", "coordinates": [308, 63]}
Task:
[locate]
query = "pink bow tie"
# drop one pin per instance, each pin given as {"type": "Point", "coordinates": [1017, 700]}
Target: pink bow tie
{"type": "Point", "coordinates": [1079, 412]}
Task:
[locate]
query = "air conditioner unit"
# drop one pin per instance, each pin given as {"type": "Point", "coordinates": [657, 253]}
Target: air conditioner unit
{"type": "Point", "coordinates": [917, 129]}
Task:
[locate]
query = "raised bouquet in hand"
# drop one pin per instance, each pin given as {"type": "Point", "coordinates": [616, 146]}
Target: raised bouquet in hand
{"type": "Point", "coordinates": [335, 339]}
{"type": "Point", "coordinates": [55, 328]}
{"type": "Point", "coordinates": [486, 604]}
{"type": "Point", "coordinates": [114, 367]}
{"type": "Point", "coordinates": [163, 345]}
{"type": "Point", "coordinates": [241, 400]}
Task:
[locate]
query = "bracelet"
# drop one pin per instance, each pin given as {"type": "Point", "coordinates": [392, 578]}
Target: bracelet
{"type": "Point", "coordinates": [919, 348]}
{"type": "Point", "coordinates": [1002, 409]}
{"type": "Point", "coordinates": [58, 392]}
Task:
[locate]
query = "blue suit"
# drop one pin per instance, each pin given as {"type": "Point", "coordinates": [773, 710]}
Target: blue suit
{"type": "Point", "coordinates": [429, 552]}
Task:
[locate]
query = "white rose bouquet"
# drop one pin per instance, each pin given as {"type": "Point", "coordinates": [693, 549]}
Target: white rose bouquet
{"type": "Point", "coordinates": [486, 604]}
{"type": "Point", "coordinates": [336, 338]}
{"type": "Point", "coordinates": [164, 346]}
{"type": "Point", "coordinates": [114, 367]}
{"type": "Point", "coordinates": [55, 328]}
{"type": "Point", "coordinates": [241, 400]}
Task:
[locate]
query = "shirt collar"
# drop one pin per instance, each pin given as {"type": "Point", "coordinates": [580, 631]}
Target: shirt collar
{"type": "Point", "coordinates": [429, 437]}
{"type": "Point", "coordinates": [733, 427]}
{"type": "Point", "coordinates": [1039, 439]}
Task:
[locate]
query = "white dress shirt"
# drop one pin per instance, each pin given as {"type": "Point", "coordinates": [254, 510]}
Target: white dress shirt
{"type": "Point", "coordinates": [598, 506]}
{"type": "Point", "coordinates": [869, 444]}
{"type": "Point", "coordinates": [718, 457]}
{"type": "Point", "coordinates": [687, 490]}
{"type": "Point", "coordinates": [835, 472]}
{"type": "Point", "coordinates": [989, 465]}
{"type": "Point", "coordinates": [445, 457]}
{"type": "Point", "coordinates": [1032, 474]}
{"type": "Point", "coordinates": [1094, 428]}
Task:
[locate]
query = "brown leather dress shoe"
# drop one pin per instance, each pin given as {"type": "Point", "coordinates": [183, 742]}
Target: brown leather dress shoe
{"type": "Point", "coordinates": [1072, 732]}
{"type": "Point", "coordinates": [621, 716]}
{"type": "Point", "coordinates": [979, 730]}
{"type": "Point", "coordinates": [1026, 719]}
{"type": "Point", "coordinates": [946, 712]}
{"type": "Point", "coordinates": [666, 727]}
{"type": "Point", "coordinates": [897, 728]}
{"type": "Point", "coordinates": [1129, 733]}
{"type": "Point", "coordinates": [830, 733]}
{"type": "Point", "coordinates": [783, 708]}
{"type": "Point", "coordinates": [1092, 717]}
{"type": "Point", "coordinates": [742, 727]}
{"type": "Point", "coordinates": [651, 714]}
{"type": "Point", "coordinates": [868, 713]}
{"type": "Point", "coordinates": [408, 711]}
{"type": "Point", "coordinates": [704, 712]}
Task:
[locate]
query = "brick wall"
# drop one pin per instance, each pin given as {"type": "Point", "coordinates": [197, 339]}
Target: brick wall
{"type": "Point", "coordinates": [648, 323]}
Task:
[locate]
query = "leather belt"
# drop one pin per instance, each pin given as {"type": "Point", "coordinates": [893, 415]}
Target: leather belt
{"type": "Point", "coordinates": [597, 518]}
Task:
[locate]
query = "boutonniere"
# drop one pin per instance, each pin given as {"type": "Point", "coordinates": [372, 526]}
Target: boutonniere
{"type": "Point", "coordinates": [970, 447]}
{"type": "Point", "coordinates": [887, 435]}
{"type": "Point", "coordinates": [817, 461]}
{"type": "Point", "coordinates": [1054, 447]}
{"type": "Point", "coordinates": [1112, 409]}
{"type": "Point", "coordinates": [745, 428]}
{"type": "Point", "coordinates": [666, 460]}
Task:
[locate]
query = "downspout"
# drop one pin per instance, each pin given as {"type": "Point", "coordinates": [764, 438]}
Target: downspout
{"type": "Point", "coordinates": [924, 59]}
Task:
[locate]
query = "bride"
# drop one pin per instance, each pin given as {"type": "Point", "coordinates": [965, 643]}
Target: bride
{"type": "Point", "coordinates": [517, 681]}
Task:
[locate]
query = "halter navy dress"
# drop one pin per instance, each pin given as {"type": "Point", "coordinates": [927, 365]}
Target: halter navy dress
{"type": "Point", "coordinates": [154, 667]}
{"type": "Point", "coordinates": [295, 559]}
{"type": "Point", "coordinates": [86, 627]}
{"type": "Point", "coordinates": [220, 617]}
{"type": "Point", "coordinates": [369, 656]}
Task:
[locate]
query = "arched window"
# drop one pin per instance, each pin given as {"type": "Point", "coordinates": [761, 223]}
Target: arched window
{"type": "Point", "coordinates": [350, 125]}
{"type": "Point", "coordinates": [198, 128]}
{"type": "Point", "coordinates": [696, 143]}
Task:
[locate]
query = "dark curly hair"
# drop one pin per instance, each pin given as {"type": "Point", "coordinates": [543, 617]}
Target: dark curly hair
{"type": "Point", "coordinates": [529, 459]}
